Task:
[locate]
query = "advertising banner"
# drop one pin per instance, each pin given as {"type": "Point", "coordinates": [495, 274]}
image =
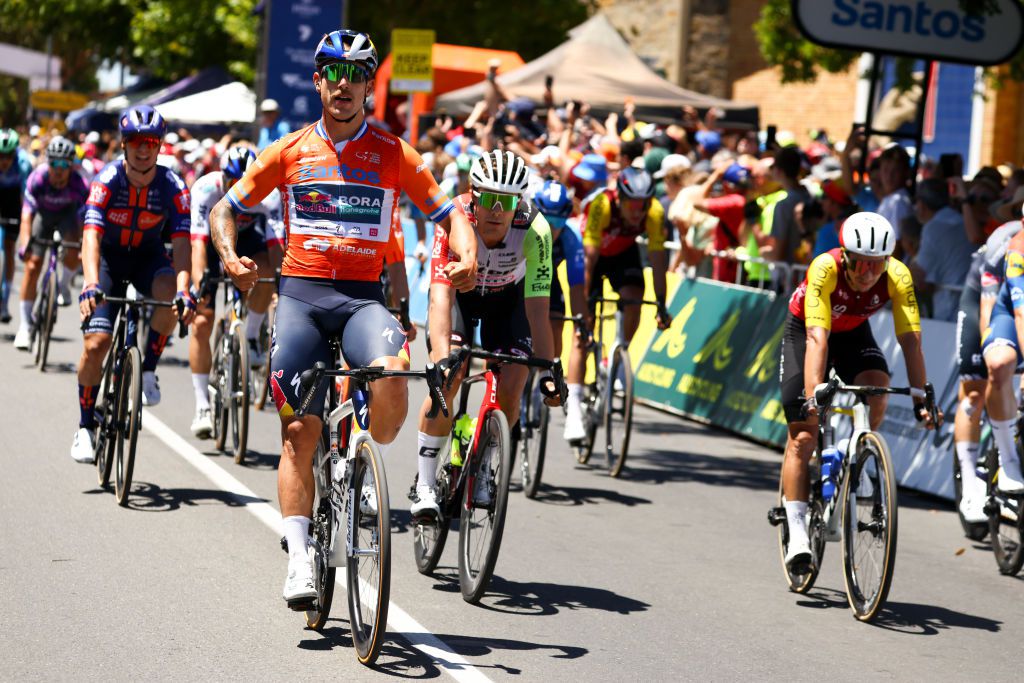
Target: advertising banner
{"type": "Point", "coordinates": [412, 68]}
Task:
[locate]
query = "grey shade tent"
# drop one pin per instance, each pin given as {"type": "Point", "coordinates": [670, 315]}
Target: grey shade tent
{"type": "Point", "coordinates": [597, 66]}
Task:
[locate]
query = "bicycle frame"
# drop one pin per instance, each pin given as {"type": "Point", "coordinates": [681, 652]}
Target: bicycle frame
{"type": "Point", "coordinates": [826, 431]}
{"type": "Point", "coordinates": [488, 404]}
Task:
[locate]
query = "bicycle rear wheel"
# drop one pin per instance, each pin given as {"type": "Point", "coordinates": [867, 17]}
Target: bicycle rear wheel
{"type": "Point", "coordinates": [220, 383]}
{"type": "Point", "coordinates": [428, 539]}
{"type": "Point", "coordinates": [618, 411]}
{"type": "Point", "coordinates": [369, 565]}
{"type": "Point", "coordinates": [239, 394]}
{"type": "Point", "coordinates": [481, 526]}
{"type": "Point", "coordinates": [869, 526]}
{"type": "Point", "coordinates": [260, 377]}
{"type": "Point", "coordinates": [1005, 526]}
{"type": "Point", "coordinates": [533, 429]}
{"type": "Point", "coordinates": [802, 582]}
{"type": "Point", "coordinates": [975, 531]}
{"type": "Point", "coordinates": [106, 406]}
{"type": "Point", "coordinates": [45, 318]}
{"type": "Point", "coordinates": [322, 538]}
{"type": "Point", "coordinates": [129, 420]}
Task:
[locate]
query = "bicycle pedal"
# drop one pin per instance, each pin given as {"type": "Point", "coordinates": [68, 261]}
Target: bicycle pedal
{"type": "Point", "coordinates": [302, 605]}
{"type": "Point", "coordinates": [284, 544]}
{"type": "Point", "coordinates": [776, 516]}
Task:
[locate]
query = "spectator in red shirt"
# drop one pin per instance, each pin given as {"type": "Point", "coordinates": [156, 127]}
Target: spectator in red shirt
{"type": "Point", "coordinates": [730, 184]}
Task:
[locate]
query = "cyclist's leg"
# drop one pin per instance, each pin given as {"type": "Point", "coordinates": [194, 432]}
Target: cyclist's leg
{"type": "Point", "coordinates": [33, 267]}
{"type": "Point", "coordinates": [973, 379]}
{"type": "Point", "coordinates": [71, 230]}
{"type": "Point", "coordinates": [1002, 356]}
{"type": "Point", "coordinates": [626, 275]}
{"type": "Point", "coordinates": [153, 276]}
{"type": "Point", "coordinates": [200, 355]}
{"type": "Point", "coordinates": [370, 336]}
{"type": "Point", "coordinates": [96, 343]}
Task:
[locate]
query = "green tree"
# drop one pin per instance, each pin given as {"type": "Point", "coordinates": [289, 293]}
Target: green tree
{"type": "Point", "coordinates": [800, 60]}
{"type": "Point", "coordinates": [529, 28]}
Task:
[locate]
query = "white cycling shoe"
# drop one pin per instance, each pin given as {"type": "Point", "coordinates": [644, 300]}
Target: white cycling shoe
{"type": "Point", "coordinates": [1009, 478]}
{"type": "Point", "coordinates": [425, 505]}
{"type": "Point", "coordinates": [574, 429]}
{"type": "Point", "coordinates": [202, 424]}
{"type": "Point", "coordinates": [64, 295]}
{"type": "Point", "coordinates": [82, 446]}
{"type": "Point", "coordinates": [368, 501]}
{"type": "Point", "coordinates": [798, 554]}
{"type": "Point", "coordinates": [299, 586]}
{"type": "Point", "coordinates": [150, 389]}
{"type": "Point", "coordinates": [22, 338]}
{"type": "Point", "coordinates": [972, 504]}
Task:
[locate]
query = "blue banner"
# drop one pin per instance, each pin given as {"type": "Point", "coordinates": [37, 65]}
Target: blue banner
{"type": "Point", "coordinates": [294, 29]}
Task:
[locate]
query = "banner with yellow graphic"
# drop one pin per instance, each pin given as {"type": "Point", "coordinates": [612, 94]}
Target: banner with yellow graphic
{"type": "Point", "coordinates": [719, 361]}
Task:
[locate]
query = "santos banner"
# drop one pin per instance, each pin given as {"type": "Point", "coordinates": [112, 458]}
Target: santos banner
{"type": "Point", "coordinates": [719, 363]}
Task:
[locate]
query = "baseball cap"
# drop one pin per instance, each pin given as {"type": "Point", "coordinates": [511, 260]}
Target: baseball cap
{"type": "Point", "coordinates": [736, 174]}
{"type": "Point", "coordinates": [592, 168]}
{"type": "Point", "coordinates": [836, 193]}
{"type": "Point", "coordinates": [670, 162]}
{"type": "Point", "coordinates": [710, 140]}
{"type": "Point", "coordinates": [268, 105]}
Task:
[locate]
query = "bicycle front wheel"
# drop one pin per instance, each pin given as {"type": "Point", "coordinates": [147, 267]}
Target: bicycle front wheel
{"type": "Point", "coordinates": [618, 411]}
{"type": "Point", "coordinates": [593, 411]}
{"type": "Point", "coordinates": [869, 526]}
{"type": "Point", "coordinates": [105, 403]}
{"type": "Point", "coordinates": [239, 394]}
{"type": "Point", "coordinates": [220, 385]}
{"type": "Point", "coordinates": [322, 539]}
{"type": "Point", "coordinates": [1005, 526]}
{"type": "Point", "coordinates": [45, 319]}
{"type": "Point", "coordinates": [369, 564]}
{"type": "Point", "coordinates": [482, 524]}
{"type": "Point", "coordinates": [129, 420]}
{"type": "Point", "coordinates": [533, 429]}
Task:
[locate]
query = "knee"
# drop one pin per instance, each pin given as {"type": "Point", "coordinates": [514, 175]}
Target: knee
{"type": "Point", "coordinates": [201, 326]}
{"type": "Point", "coordinates": [1000, 368]}
{"type": "Point", "coordinates": [803, 442]}
{"type": "Point", "coordinates": [163, 288]}
{"type": "Point", "coordinates": [302, 436]}
{"type": "Point", "coordinates": [96, 346]}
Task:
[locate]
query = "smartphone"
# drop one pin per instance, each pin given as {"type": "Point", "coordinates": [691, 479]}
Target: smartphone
{"type": "Point", "coordinates": [549, 80]}
{"type": "Point", "coordinates": [951, 165]}
{"type": "Point", "coordinates": [769, 138]}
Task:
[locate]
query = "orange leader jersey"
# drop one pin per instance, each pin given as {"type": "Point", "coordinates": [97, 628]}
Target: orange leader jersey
{"type": "Point", "coordinates": [340, 201]}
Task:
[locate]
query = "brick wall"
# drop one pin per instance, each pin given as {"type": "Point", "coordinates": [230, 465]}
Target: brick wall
{"type": "Point", "coordinates": [652, 29]}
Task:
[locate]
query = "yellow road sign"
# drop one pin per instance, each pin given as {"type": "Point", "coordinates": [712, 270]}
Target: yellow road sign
{"type": "Point", "coordinates": [412, 65]}
{"type": "Point", "coordinates": [58, 100]}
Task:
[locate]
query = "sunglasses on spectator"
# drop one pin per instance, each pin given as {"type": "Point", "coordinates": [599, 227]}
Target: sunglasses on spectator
{"type": "Point", "coordinates": [350, 71]}
{"type": "Point", "coordinates": [59, 163]}
{"type": "Point", "coordinates": [495, 201]}
{"type": "Point", "coordinates": [137, 141]}
{"type": "Point", "coordinates": [859, 266]}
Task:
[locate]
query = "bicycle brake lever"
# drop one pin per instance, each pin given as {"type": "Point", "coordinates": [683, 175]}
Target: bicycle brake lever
{"type": "Point", "coordinates": [437, 401]}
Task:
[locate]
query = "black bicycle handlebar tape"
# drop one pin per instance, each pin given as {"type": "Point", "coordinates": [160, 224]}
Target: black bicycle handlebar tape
{"type": "Point", "coordinates": [309, 382]}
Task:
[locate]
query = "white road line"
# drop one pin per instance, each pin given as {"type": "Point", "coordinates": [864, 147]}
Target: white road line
{"type": "Point", "coordinates": [400, 622]}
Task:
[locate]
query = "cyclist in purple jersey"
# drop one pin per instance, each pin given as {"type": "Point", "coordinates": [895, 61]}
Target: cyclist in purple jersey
{"type": "Point", "coordinates": [129, 203]}
{"type": "Point", "coordinates": [54, 198]}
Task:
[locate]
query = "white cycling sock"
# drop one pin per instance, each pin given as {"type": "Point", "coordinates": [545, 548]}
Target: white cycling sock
{"type": "Point", "coordinates": [296, 532]}
{"type": "Point", "coordinates": [429, 450]}
{"type": "Point", "coordinates": [200, 384]}
{"type": "Point", "coordinates": [967, 454]}
{"type": "Point", "coordinates": [796, 515]}
{"type": "Point", "coordinates": [575, 394]}
{"type": "Point", "coordinates": [252, 324]}
{"type": "Point", "coordinates": [26, 313]}
{"type": "Point", "coordinates": [1002, 431]}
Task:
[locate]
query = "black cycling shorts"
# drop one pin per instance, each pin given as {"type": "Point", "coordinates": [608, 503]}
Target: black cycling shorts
{"type": "Point", "coordinates": [309, 313]}
{"type": "Point", "coordinates": [622, 270]}
{"type": "Point", "coordinates": [850, 353]}
{"type": "Point", "coordinates": [968, 337]}
{"type": "Point", "coordinates": [45, 222]}
{"type": "Point", "coordinates": [118, 266]}
{"type": "Point", "coordinates": [504, 327]}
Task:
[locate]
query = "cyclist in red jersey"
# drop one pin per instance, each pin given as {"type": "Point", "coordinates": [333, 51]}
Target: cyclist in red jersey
{"type": "Point", "coordinates": [340, 181]}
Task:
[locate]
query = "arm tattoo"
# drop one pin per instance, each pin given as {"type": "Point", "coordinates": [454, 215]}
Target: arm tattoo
{"type": "Point", "coordinates": [223, 231]}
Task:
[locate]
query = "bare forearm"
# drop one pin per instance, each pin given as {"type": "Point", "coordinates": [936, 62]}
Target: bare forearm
{"type": "Point", "coordinates": [439, 316]}
{"type": "Point", "coordinates": [985, 313]}
{"type": "Point", "coordinates": [90, 257]}
{"type": "Point", "coordinates": [182, 254]}
{"type": "Point", "coordinates": [198, 260]}
{"type": "Point", "coordinates": [399, 283]}
{"type": "Point", "coordinates": [910, 342]}
{"type": "Point", "coordinates": [590, 256]}
{"type": "Point", "coordinates": [815, 359]}
{"type": "Point", "coordinates": [223, 231]}
{"type": "Point", "coordinates": [659, 263]}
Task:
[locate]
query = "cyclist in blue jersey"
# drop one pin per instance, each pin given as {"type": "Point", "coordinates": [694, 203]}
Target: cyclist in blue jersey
{"type": "Point", "coordinates": [554, 201]}
{"type": "Point", "coordinates": [15, 167]}
{"type": "Point", "coordinates": [129, 203]}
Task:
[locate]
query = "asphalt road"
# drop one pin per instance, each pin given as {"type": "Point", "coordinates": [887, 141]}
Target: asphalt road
{"type": "Point", "coordinates": [669, 573]}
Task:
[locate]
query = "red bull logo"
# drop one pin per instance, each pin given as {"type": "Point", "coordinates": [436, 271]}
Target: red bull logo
{"type": "Point", "coordinates": [283, 409]}
{"type": "Point", "coordinates": [316, 202]}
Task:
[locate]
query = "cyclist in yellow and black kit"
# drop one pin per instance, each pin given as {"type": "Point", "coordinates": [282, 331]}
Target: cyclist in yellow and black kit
{"type": "Point", "coordinates": [827, 327]}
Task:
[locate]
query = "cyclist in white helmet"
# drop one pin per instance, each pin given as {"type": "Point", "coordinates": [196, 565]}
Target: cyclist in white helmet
{"type": "Point", "coordinates": [827, 326]}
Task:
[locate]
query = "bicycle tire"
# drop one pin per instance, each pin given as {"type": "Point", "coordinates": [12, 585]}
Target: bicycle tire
{"type": "Point", "coordinates": [239, 394]}
{"type": "Point", "coordinates": [261, 378]}
{"type": "Point", "coordinates": [1006, 534]}
{"type": "Point", "coordinates": [618, 402]}
{"type": "Point", "coordinates": [129, 408]}
{"type": "Point", "coordinates": [369, 625]}
{"type": "Point", "coordinates": [484, 523]}
{"type": "Point", "coordinates": [976, 531]}
{"type": "Point", "coordinates": [323, 536]}
{"type": "Point", "coordinates": [533, 430]}
{"type": "Point", "coordinates": [45, 323]}
{"type": "Point", "coordinates": [105, 403]}
{"type": "Point", "coordinates": [593, 411]}
{"type": "Point", "coordinates": [219, 405]}
{"type": "Point", "coordinates": [869, 486]}
{"type": "Point", "coordinates": [428, 539]}
{"type": "Point", "coordinates": [803, 582]}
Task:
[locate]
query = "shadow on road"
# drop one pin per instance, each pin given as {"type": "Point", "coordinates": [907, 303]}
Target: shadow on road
{"type": "Point", "coordinates": [147, 497]}
{"type": "Point", "coordinates": [661, 466]}
{"type": "Point", "coordinates": [905, 617]}
{"type": "Point", "coordinates": [257, 460]}
{"type": "Point", "coordinates": [578, 495]}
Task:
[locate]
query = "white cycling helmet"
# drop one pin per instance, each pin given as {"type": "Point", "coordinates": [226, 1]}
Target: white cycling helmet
{"type": "Point", "coordinates": [868, 234]}
{"type": "Point", "coordinates": [60, 148]}
{"type": "Point", "coordinates": [502, 172]}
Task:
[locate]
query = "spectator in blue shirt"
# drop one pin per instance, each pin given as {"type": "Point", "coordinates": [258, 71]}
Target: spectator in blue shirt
{"type": "Point", "coordinates": [271, 127]}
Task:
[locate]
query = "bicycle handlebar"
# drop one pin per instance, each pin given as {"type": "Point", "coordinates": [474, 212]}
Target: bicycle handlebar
{"type": "Point", "coordinates": [458, 356]}
{"type": "Point", "coordinates": [139, 303]}
{"type": "Point", "coordinates": [825, 393]}
{"type": "Point", "coordinates": [309, 383]}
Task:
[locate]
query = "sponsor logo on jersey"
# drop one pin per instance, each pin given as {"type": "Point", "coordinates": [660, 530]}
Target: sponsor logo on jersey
{"type": "Point", "coordinates": [344, 171]}
{"type": "Point", "coordinates": [99, 194]}
{"type": "Point", "coordinates": [310, 160]}
{"type": "Point", "coordinates": [122, 217]}
{"type": "Point", "coordinates": [989, 280]}
{"type": "Point", "coordinates": [382, 138]}
{"type": "Point", "coordinates": [149, 220]}
{"type": "Point", "coordinates": [369, 157]}
{"type": "Point", "coordinates": [1014, 264]}
{"type": "Point", "coordinates": [318, 244]}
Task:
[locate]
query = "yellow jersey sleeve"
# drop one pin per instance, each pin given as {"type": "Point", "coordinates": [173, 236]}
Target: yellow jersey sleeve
{"type": "Point", "coordinates": [822, 277]}
{"type": "Point", "coordinates": [906, 316]}
{"type": "Point", "coordinates": [656, 226]}
{"type": "Point", "coordinates": [598, 216]}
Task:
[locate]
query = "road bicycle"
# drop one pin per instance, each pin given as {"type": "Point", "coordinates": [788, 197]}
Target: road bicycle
{"type": "Point", "coordinates": [231, 375]}
{"type": "Point", "coordinates": [976, 531]}
{"type": "Point", "coordinates": [119, 400]}
{"type": "Point", "coordinates": [44, 309]}
{"type": "Point", "coordinates": [608, 402]}
{"type": "Point", "coordinates": [862, 514]}
{"type": "Point", "coordinates": [485, 461]}
{"type": "Point", "coordinates": [1005, 522]}
{"type": "Point", "coordinates": [350, 484]}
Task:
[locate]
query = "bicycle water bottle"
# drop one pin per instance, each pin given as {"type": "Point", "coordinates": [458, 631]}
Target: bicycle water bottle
{"type": "Point", "coordinates": [831, 460]}
{"type": "Point", "coordinates": [462, 437]}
